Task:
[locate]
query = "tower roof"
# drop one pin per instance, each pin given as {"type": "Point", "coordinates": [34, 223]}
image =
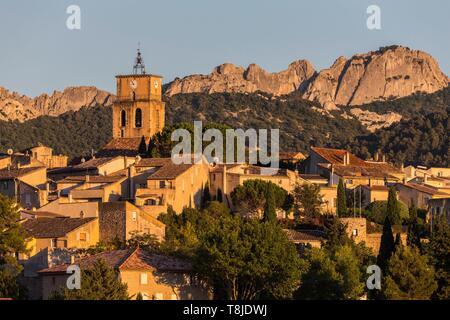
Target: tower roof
{"type": "Point", "coordinates": [139, 66]}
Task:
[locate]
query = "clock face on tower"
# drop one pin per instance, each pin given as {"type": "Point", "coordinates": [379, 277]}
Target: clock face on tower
{"type": "Point", "coordinates": [133, 84]}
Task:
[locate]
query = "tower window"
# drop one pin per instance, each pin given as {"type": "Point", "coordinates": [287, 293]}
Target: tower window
{"type": "Point", "coordinates": [123, 118]}
{"type": "Point", "coordinates": [138, 120]}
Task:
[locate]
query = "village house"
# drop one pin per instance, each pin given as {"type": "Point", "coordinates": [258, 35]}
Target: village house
{"type": "Point", "coordinates": [38, 156]}
{"type": "Point", "coordinates": [439, 207]}
{"type": "Point", "coordinates": [117, 220]}
{"type": "Point", "coordinates": [96, 166]}
{"type": "Point", "coordinates": [336, 164]}
{"type": "Point", "coordinates": [28, 186]}
{"type": "Point", "coordinates": [154, 276]}
{"type": "Point", "coordinates": [93, 188]}
{"type": "Point", "coordinates": [60, 232]}
{"type": "Point", "coordinates": [419, 195]}
{"type": "Point", "coordinates": [371, 194]}
{"type": "Point", "coordinates": [159, 183]}
{"type": "Point", "coordinates": [305, 238]}
{"type": "Point", "coordinates": [120, 220]}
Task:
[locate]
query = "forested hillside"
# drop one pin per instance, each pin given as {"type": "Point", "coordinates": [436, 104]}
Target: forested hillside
{"type": "Point", "coordinates": [421, 138]}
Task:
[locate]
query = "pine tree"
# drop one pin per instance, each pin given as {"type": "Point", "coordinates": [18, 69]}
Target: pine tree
{"type": "Point", "coordinates": [409, 276]}
{"type": "Point", "coordinates": [341, 199]}
{"type": "Point", "coordinates": [413, 239]}
{"type": "Point", "coordinates": [219, 195]}
{"type": "Point", "coordinates": [398, 241]}
{"type": "Point", "coordinates": [270, 214]}
{"type": "Point", "coordinates": [439, 251]}
{"type": "Point", "coordinates": [387, 245]}
{"type": "Point", "coordinates": [206, 195]}
{"type": "Point", "coordinates": [101, 282]}
{"type": "Point", "coordinates": [392, 210]}
{"type": "Point", "coordinates": [143, 147]}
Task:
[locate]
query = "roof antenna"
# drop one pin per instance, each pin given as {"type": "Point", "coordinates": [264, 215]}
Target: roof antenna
{"type": "Point", "coordinates": [139, 66]}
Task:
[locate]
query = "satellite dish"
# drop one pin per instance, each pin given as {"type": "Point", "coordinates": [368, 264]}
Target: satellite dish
{"type": "Point", "coordinates": [10, 152]}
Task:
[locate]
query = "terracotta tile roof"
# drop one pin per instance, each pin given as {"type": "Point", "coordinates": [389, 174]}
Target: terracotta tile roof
{"type": "Point", "coordinates": [305, 235]}
{"type": "Point", "coordinates": [376, 171]}
{"type": "Point", "coordinates": [121, 147]}
{"type": "Point", "coordinates": [41, 214]}
{"type": "Point", "coordinates": [53, 227]}
{"type": "Point", "coordinates": [132, 259]}
{"type": "Point", "coordinates": [94, 163]}
{"type": "Point", "coordinates": [113, 258]}
{"type": "Point", "coordinates": [166, 169]}
{"type": "Point", "coordinates": [153, 162]}
{"type": "Point", "coordinates": [93, 179]}
{"type": "Point", "coordinates": [425, 189]}
{"type": "Point", "coordinates": [312, 176]}
{"type": "Point", "coordinates": [377, 188]}
{"type": "Point", "coordinates": [6, 174]}
{"type": "Point", "coordinates": [142, 260]}
{"type": "Point", "coordinates": [336, 156]}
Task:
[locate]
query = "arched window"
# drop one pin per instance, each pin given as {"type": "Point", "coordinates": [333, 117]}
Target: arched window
{"type": "Point", "coordinates": [123, 118]}
{"type": "Point", "coordinates": [138, 118]}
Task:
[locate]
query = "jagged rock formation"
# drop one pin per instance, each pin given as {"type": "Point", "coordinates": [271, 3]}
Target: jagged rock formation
{"type": "Point", "coordinates": [388, 73]}
{"type": "Point", "coordinates": [230, 78]}
{"type": "Point", "coordinates": [14, 106]}
{"type": "Point", "coordinates": [374, 121]}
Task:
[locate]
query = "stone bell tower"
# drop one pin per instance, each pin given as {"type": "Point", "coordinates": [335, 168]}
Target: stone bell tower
{"type": "Point", "coordinates": [138, 110]}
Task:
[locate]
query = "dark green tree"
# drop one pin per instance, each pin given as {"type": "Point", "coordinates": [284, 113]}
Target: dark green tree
{"type": "Point", "coordinates": [409, 276]}
{"type": "Point", "coordinates": [336, 233]}
{"type": "Point", "coordinates": [387, 245]}
{"type": "Point", "coordinates": [270, 214]}
{"type": "Point", "coordinates": [12, 241]}
{"type": "Point", "coordinates": [341, 199]}
{"type": "Point", "coordinates": [249, 258]}
{"type": "Point", "coordinates": [392, 207]}
{"type": "Point", "coordinates": [308, 201]}
{"type": "Point", "coordinates": [142, 147]}
{"type": "Point", "coordinates": [206, 199]}
{"type": "Point", "coordinates": [413, 237]}
{"type": "Point", "coordinates": [439, 251]}
{"type": "Point", "coordinates": [101, 282]}
{"type": "Point", "coordinates": [219, 195]}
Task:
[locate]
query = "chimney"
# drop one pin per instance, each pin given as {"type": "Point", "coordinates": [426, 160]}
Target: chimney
{"type": "Point", "coordinates": [330, 180]}
{"type": "Point", "coordinates": [347, 158]}
{"type": "Point", "coordinates": [81, 214]}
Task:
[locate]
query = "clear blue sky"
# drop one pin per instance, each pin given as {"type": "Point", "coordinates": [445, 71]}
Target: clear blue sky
{"type": "Point", "coordinates": [180, 37]}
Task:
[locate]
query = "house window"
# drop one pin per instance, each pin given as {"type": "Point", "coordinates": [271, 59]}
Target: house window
{"type": "Point", "coordinates": [134, 216]}
{"type": "Point", "coordinates": [123, 118]}
{"type": "Point", "coordinates": [355, 232]}
{"type": "Point", "coordinates": [65, 243]}
{"type": "Point", "coordinates": [162, 184]}
{"type": "Point", "coordinates": [144, 278]}
{"type": "Point", "coordinates": [83, 236]}
{"type": "Point", "coordinates": [54, 243]}
{"type": "Point", "coordinates": [150, 202]}
{"type": "Point", "coordinates": [138, 118]}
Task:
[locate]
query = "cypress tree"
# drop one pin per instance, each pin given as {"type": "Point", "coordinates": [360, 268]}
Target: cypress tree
{"type": "Point", "coordinates": [413, 238]}
{"type": "Point", "coordinates": [219, 195]}
{"type": "Point", "coordinates": [392, 207]}
{"type": "Point", "coordinates": [206, 195]}
{"type": "Point", "coordinates": [270, 214]}
{"type": "Point", "coordinates": [142, 147]}
{"type": "Point", "coordinates": [341, 199]}
{"type": "Point", "coordinates": [387, 245]}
